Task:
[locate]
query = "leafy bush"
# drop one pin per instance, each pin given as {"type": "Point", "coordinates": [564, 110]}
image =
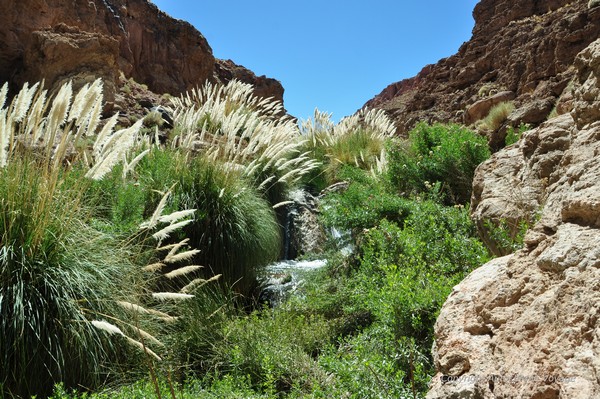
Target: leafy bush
{"type": "Point", "coordinates": [405, 269]}
{"type": "Point", "coordinates": [447, 154]}
{"type": "Point", "coordinates": [363, 204]}
{"type": "Point", "coordinates": [275, 350]}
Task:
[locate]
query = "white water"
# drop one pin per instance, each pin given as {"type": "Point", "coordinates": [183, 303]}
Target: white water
{"type": "Point", "coordinates": [283, 278]}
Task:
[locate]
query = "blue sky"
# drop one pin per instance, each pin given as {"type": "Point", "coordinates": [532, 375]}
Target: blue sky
{"type": "Point", "coordinates": [330, 54]}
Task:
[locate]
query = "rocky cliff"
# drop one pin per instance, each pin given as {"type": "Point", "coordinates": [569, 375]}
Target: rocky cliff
{"type": "Point", "coordinates": [524, 48]}
{"type": "Point", "coordinates": [79, 39]}
{"type": "Point", "coordinates": [527, 325]}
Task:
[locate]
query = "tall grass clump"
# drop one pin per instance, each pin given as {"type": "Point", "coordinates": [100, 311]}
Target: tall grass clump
{"type": "Point", "coordinates": [358, 140]}
{"type": "Point", "coordinates": [497, 116]}
{"type": "Point", "coordinates": [228, 124]}
{"type": "Point", "coordinates": [56, 272]}
{"type": "Point", "coordinates": [234, 226]}
{"type": "Point", "coordinates": [444, 154]}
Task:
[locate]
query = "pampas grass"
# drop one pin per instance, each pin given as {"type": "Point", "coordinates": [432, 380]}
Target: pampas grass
{"type": "Point", "coordinates": [248, 135]}
{"type": "Point", "coordinates": [357, 140]}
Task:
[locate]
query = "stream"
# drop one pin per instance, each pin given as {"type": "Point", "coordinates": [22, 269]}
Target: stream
{"type": "Point", "coordinates": [282, 278]}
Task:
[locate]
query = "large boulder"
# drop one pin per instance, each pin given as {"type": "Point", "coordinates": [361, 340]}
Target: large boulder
{"type": "Point", "coordinates": [527, 325]}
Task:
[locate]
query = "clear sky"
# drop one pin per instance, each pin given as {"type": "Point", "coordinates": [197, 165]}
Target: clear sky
{"type": "Point", "coordinates": [330, 54]}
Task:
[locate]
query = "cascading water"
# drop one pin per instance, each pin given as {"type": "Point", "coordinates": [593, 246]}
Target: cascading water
{"type": "Point", "coordinates": [301, 234]}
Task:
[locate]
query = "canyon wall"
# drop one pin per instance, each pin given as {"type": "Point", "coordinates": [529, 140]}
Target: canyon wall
{"type": "Point", "coordinates": [527, 325]}
{"type": "Point", "coordinates": [525, 48]}
{"type": "Point", "coordinates": [57, 40]}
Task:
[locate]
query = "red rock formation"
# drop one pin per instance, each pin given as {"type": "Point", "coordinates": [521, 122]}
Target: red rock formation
{"type": "Point", "coordinates": [57, 39]}
{"type": "Point", "coordinates": [523, 46]}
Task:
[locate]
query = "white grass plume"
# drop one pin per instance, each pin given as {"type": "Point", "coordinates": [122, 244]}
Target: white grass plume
{"type": "Point", "coordinates": [108, 327]}
{"type": "Point", "coordinates": [182, 271]}
{"type": "Point", "coordinates": [154, 267]}
{"type": "Point", "coordinates": [132, 307]}
{"type": "Point", "coordinates": [182, 256]}
{"type": "Point", "coordinates": [197, 283]}
{"type": "Point", "coordinates": [165, 232]}
{"type": "Point", "coordinates": [150, 224]}
{"type": "Point", "coordinates": [167, 296]}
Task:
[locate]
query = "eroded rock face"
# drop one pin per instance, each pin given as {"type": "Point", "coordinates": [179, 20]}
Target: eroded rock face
{"type": "Point", "coordinates": [132, 36]}
{"type": "Point", "coordinates": [523, 46]}
{"type": "Point", "coordinates": [527, 325]}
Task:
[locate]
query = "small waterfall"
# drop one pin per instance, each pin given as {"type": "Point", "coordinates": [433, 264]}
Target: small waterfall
{"type": "Point", "coordinates": [302, 234]}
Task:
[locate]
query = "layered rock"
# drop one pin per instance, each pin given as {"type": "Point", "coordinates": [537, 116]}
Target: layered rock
{"type": "Point", "coordinates": [522, 46]}
{"type": "Point", "coordinates": [60, 39]}
{"type": "Point", "coordinates": [527, 325]}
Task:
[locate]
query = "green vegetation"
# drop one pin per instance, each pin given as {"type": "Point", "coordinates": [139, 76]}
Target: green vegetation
{"type": "Point", "coordinates": [513, 135]}
{"type": "Point", "coordinates": [444, 154]}
{"type": "Point", "coordinates": [128, 268]}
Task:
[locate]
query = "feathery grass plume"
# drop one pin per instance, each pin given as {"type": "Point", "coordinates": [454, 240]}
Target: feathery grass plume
{"type": "Point", "coordinates": [357, 140]}
{"type": "Point", "coordinates": [182, 256]}
{"type": "Point", "coordinates": [147, 336]}
{"type": "Point", "coordinates": [114, 150]}
{"type": "Point", "coordinates": [150, 224]}
{"type": "Point", "coordinates": [114, 330]}
{"type": "Point", "coordinates": [3, 94]}
{"type": "Point", "coordinates": [129, 166]}
{"type": "Point", "coordinates": [133, 307]}
{"type": "Point", "coordinates": [175, 216]}
{"type": "Point", "coordinates": [5, 137]}
{"type": "Point", "coordinates": [173, 247]}
{"type": "Point", "coordinates": [198, 282]}
{"type": "Point", "coordinates": [108, 327]}
{"type": "Point", "coordinates": [166, 296]}
{"type": "Point", "coordinates": [165, 232]}
{"type": "Point", "coordinates": [182, 271]}
{"type": "Point", "coordinates": [154, 267]}
{"type": "Point", "coordinates": [21, 103]}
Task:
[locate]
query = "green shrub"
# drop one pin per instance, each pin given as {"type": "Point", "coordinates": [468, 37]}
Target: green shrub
{"type": "Point", "coordinates": [406, 269]}
{"type": "Point", "coordinates": [275, 350]}
{"type": "Point", "coordinates": [363, 204]}
{"type": "Point", "coordinates": [447, 154]}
